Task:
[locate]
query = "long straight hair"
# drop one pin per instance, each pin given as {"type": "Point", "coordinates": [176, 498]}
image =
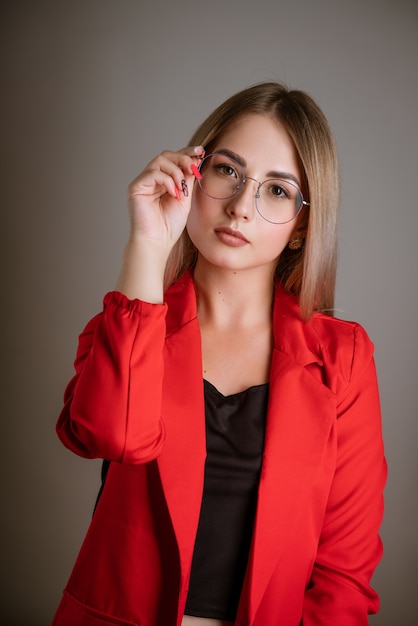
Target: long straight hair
{"type": "Point", "coordinates": [310, 271]}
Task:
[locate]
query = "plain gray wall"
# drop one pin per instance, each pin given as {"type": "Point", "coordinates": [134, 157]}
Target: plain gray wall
{"type": "Point", "coordinates": [91, 91]}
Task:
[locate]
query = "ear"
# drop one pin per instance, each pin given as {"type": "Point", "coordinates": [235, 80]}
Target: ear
{"type": "Point", "coordinates": [301, 227]}
{"type": "Point", "coordinates": [298, 236]}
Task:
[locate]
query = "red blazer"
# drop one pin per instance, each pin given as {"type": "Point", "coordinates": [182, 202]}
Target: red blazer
{"type": "Point", "coordinates": [137, 400]}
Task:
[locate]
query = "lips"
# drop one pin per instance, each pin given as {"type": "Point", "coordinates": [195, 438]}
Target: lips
{"type": "Point", "coordinates": [230, 236]}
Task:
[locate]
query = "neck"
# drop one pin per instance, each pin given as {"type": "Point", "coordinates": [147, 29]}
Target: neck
{"type": "Point", "coordinates": [233, 298]}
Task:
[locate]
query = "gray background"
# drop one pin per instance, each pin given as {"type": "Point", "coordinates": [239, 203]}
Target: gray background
{"type": "Point", "coordinates": [91, 91]}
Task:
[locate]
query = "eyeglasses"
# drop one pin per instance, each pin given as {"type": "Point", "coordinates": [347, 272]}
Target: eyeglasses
{"type": "Point", "coordinates": [277, 200]}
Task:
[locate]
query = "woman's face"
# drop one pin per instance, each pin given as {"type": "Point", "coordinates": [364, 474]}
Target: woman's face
{"type": "Point", "coordinates": [230, 233]}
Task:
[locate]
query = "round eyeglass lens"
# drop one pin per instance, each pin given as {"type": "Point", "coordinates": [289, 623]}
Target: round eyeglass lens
{"type": "Point", "coordinates": [222, 177]}
{"type": "Point", "coordinates": [277, 201]}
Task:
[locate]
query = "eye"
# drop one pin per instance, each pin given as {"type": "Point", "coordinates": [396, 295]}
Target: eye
{"type": "Point", "coordinates": [227, 170]}
{"type": "Point", "coordinates": [278, 191]}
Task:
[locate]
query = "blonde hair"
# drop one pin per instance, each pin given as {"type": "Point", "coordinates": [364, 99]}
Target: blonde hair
{"type": "Point", "coordinates": [310, 271]}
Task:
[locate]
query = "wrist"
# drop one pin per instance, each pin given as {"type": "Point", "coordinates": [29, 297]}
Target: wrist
{"type": "Point", "coordinates": [142, 272]}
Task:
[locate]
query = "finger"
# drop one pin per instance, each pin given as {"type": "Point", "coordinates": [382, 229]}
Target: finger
{"type": "Point", "coordinates": [180, 165]}
{"type": "Point", "coordinates": [155, 183]}
{"type": "Point", "coordinates": [193, 151]}
{"type": "Point", "coordinates": [182, 155]}
{"type": "Point", "coordinates": [196, 154]}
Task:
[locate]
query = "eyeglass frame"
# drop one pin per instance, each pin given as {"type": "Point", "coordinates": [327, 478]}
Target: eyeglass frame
{"type": "Point", "coordinates": [257, 194]}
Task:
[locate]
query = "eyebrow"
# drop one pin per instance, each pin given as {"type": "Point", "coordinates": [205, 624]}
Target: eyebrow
{"type": "Point", "coordinates": [272, 174]}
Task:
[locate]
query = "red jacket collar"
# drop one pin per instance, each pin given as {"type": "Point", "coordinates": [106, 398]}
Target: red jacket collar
{"type": "Point", "coordinates": [292, 336]}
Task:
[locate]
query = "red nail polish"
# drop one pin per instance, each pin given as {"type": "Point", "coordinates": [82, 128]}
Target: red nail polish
{"type": "Point", "coordinates": [178, 196]}
{"type": "Point", "coordinates": [196, 171]}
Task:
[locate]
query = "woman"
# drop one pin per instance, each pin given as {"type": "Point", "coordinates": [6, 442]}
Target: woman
{"type": "Point", "coordinates": [239, 421]}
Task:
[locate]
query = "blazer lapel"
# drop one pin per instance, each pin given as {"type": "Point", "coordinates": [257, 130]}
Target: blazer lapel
{"type": "Point", "coordinates": [181, 463]}
{"type": "Point", "coordinates": [299, 430]}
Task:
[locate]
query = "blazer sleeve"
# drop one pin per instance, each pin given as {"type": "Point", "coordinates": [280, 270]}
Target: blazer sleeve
{"type": "Point", "coordinates": [350, 548]}
{"type": "Point", "coordinates": [112, 406]}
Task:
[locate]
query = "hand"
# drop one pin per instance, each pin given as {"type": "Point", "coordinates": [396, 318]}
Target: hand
{"type": "Point", "coordinates": [158, 204]}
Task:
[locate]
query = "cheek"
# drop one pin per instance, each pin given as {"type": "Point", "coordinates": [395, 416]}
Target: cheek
{"type": "Point", "coordinates": [276, 240]}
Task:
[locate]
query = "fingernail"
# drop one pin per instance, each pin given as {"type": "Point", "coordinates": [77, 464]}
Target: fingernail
{"type": "Point", "coordinates": [184, 188]}
{"type": "Point", "coordinates": [196, 171]}
{"type": "Point", "coordinates": [178, 196]}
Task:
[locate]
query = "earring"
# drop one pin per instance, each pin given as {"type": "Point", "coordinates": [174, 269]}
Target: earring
{"type": "Point", "coordinates": [295, 243]}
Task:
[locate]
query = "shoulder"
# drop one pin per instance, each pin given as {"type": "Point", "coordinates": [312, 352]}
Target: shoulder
{"type": "Point", "coordinates": [345, 346]}
{"type": "Point", "coordinates": [341, 349]}
{"type": "Point", "coordinates": [339, 333]}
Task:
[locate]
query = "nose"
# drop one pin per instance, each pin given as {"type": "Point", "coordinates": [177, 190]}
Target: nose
{"type": "Point", "coordinates": [242, 205]}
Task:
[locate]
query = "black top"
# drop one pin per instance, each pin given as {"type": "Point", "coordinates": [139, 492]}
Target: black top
{"type": "Point", "coordinates": [235, 427]}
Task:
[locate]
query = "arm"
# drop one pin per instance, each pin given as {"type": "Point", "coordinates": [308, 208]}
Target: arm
{"type": "Point", "coordinates": [158, 212]}
{"type": "Point", "coordinates": [350, 548]}
{"type": "Point", "coordinates": [113, 403]}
